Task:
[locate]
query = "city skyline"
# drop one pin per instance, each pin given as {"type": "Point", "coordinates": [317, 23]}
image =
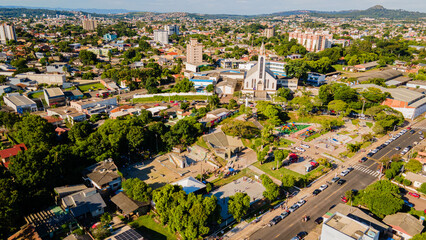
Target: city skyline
{"type": "Point", "coordinates": [240, 7]}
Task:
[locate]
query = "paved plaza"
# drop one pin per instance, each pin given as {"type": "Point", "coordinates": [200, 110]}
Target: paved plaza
{"type": "Point", "coordinates": [253, 188]}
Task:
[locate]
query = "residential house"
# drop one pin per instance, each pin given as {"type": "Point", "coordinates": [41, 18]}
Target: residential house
{"type": "Point", "coordinates": [64, 191]}
{"type": "Point", "coordinates": [341, 227]}
{"type": "Point", "coordinates": [216, 116]}
{"type": "Point", "coordinates": [366, 66]}
{"type": "Point", "coordinates": [103, 175]}
{"type": "Point", "coordinates": [69, 113]}
{"type": "Point", "coordinates": [128, 206]}
{"type": "Point", "coordinates": [19, 103]}
{"type": "Point", "coordinates": [94, 105]}
{"type": "Point", "coordinates": [416, 179]}
{"type": "Point", "coordinates": [58, 67]}
{"type": "Point", "coordinates": [404, 224]}
{"type": "Point", "coordinates": [227, 86]}
{"type": "Point", "coordinates": [54, 97]}
{"type": "Point", "coordinates": [6, 154]}
{"type": "Point", "coordinates": [85, 203]}
{"type": "Point", "coordinates": [316, 79]}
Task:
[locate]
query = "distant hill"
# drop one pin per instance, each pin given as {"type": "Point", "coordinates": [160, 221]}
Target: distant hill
{"type": "Point", "coordinates": [10, 11]}
{"type": "Point", "coordinates": [377, 11]}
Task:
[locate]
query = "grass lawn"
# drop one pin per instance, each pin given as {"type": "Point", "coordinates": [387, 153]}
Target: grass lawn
{"type": "Point", "coordinates": [201, 143]}
{"type": "Point", "coordinates": [285, 142]}
{"type": "Point", "coordinates": [355, 122]}
{"type": "Point", "coordinates": [316, 135]}
{"type": "Point", "coordinates": [223, 181]}
{"type": "Point", "coordinates": [348, 154]}
{"type": "Point", "coordinates": [365, 144]}
{"type": "Point", "coordinates": [267, 168]}
{"type": "Point", "coordinates": [166, 99]}
{"type": "Point", "coordinates": [151, 229]}
{"type": "Point", "coordinates": [93, 86]}
{"type": "Point", "coordinates": [308, 119]}
{"type": "Point", "coordinates": [338, 67]}
{"type": "Point", "coordinates": [36, 95]}
{"type": "Point", "coordinates": [369, 124]}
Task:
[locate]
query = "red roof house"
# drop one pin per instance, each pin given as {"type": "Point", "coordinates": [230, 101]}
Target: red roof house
{"type": "Point", "coordinates": [10, 152]}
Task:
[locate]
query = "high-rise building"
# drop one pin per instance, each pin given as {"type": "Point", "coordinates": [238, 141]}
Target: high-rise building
{"type": "Point", "coordinates": [172, 29]}
{"type": "Point", "coordinates": [313, 42]}
{"type": "Point", "coordinates": [194, 52]}
{"type": "Point", "coordinates": [7, 32]}
{"type": "Point", "coordinates": [90, 24]}
{"type": "Point", "coordinates": [269, 32]}
{"type": "Point", "coordinates": [161, 36]}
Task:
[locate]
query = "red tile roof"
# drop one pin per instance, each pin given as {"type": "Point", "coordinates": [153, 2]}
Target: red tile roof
{"type": "Point", "coordinates": [13, 151]}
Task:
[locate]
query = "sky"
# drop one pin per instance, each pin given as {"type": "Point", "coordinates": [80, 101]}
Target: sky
{"type": "Point", "coordinates": [242, 7]}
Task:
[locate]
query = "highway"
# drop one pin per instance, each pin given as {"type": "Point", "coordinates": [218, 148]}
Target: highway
{"type": "Point", "coordinates": [316, 206]}
{"type": "Point", "coordinates": [405, 140]}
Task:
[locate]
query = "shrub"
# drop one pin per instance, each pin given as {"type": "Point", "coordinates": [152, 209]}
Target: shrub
{"type": "Point", "coordinates": [407, 182]}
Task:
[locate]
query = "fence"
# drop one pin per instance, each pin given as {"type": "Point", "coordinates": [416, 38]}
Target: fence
{"type": "Point", "coordinates": [172, 94]}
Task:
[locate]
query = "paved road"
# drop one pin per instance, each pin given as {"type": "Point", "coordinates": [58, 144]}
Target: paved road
{"type": "Point", "coordinates": [402, 142]}
{"type": "Point", "coordinates": [316, 206]}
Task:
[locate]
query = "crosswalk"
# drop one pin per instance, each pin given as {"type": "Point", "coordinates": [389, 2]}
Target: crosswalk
{"type": "Point", "coordinates": [366, 170]}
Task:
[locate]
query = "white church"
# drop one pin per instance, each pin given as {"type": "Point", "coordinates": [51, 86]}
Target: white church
{"type": "Point", "coordinates": [260, 82]}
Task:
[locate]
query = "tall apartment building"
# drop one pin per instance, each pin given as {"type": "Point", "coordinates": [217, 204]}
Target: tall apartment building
{"type": "Point", "coordinates": [161, 36]}
{"type": "Point", "coordinates": [7, 32]}
{"type": "Point", "coordinates": [172, 29]}
{"type": "Point", "coordinates": [269, 32]}
{"type": "Point", "coordinates": [90, 24]}
{"type": "Point", "coordinates": [194, 52]}
{"type": "Point", "coordinates": [313, 42]}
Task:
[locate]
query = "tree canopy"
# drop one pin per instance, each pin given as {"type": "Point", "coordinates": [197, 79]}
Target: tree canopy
{"type": "Point", "coordinates": [238, 205]}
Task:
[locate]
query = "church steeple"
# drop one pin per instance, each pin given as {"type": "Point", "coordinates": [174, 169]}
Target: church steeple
{"type": "Point", "coordinates": [262, 50]}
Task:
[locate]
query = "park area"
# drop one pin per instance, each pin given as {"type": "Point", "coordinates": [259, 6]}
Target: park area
{"type": "Point", "coordinates": [292, 128]}
{"type": "Point", "coordinates": [151, 229]}
{"type": "Point", "coordinates": [91, 86]}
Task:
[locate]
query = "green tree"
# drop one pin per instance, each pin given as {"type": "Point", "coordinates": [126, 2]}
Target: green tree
{"type": "Point", "coordinates": [422, 188]}
{"type": "Point", "coordinates": [354, 147]}
{"type": "Point", "coordinates": [382, 198]}
{"type": "Point", "coordinates": [80, 131]}
{"type": "Point", "coordinates": [10, 208]}
{"type": "Point", "coordinates": [34, 130]}
{"type": "Point", "coordinates": [238, 205]}
{"type": "Point", "coordinates": [137, 189]}
{"type": "Point", "coordinates": [285, 93]}
{"type": "Point", "coordinates": [288, 181]}
{"type": "Point", "coordinates": [239, 128]}
{"type": "Point", "coordinates": [183, 85]}
{"type": "Point", "coordinates": [272, 190]}
{"type": "Point", "coordinates": [106, 218]}
{"type": "Point", "coordinates": [213, 101]}
{"type": "Point", "coordinates": [279, 156]}
{"type": "Point", "coordinates": [232, 104]}
{"type": "Point", "coordinates": [87, 57]}
{"type": "Point", "coordinates": [414, 166]}
{"type": "Point", "coordinates": [338, 106]}
{"type": "Point", "coordinates": [210, 88]}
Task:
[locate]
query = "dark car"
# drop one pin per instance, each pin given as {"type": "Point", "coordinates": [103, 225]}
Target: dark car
{"type": "Point", "coordinates": [370, 154]}
{"type": "Point", "coordinates": [316, 192]}
{"type": "Point", "coordinates": [335, 179]}
{"type": "Point", "coordinates": [319, 220]}
{"type": "Point", "coordinates": [341, 182]}
{"type": "Point", "coordinates": [363, 159]}
{"type": "Point", "coordinates": [275, 220]}
{"type": "Point", "coordinates": [301, 235]}
{"type": "Point", "coordinates": [412, 131]}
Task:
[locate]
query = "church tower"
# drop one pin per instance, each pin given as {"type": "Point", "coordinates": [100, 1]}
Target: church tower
{"type": "Point", "coordinates": [261, 68]}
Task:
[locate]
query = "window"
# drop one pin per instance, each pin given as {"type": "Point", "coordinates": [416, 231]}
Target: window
{"type": "Point", "coordinates": [272, 85]}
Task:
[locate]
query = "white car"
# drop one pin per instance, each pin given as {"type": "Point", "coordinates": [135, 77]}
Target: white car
{"type": "Point", "coordinates": [301, 202]}
{"type": "Point", "coordinates": [305, 146]}
{"type": "Point", "coordinates": [323, 187]}
{"type": "Point", "coordinates": [344, 173]}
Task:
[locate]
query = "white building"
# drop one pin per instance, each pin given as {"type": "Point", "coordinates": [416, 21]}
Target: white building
{"type": "Point", "coordinates": [290, 83]}
{"type": "Point", "coordinates": [19, 103]}
{"type": "Point", "coordinates": [84, 104]}
{"type": "Point", "coordinates": [49, 79]}
{"type": "Point", "coordinates": [260, 81]}
{"type": "Point", "coordinates": [172, 29]}
{"type": "Point", "coordinates": [278, 68]}
{"type": "Point", "coordinates": [161, 36]}
{"type": "Point", "coordinates": [341, 227]}
{"type": "Point", "coordinates": [7, 32]}
{"type": "Point", "coordinates": [316, 79]}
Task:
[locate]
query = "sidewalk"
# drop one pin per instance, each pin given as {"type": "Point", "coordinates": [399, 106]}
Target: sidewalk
{"type": "Point", "coordinates": [260, 172]}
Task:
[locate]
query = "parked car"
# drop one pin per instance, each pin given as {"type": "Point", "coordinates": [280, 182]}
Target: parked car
{"type": "Point", "coordinates": [412, 131]}
{"type": "Point", "coordinates": [275, 220]}
{"type": "Point", "coordinates": [319, 220]}
{"type": "Point", "coordinates": [335, 179]}
{"type": "Point", "coordinates": [363, 159]}
{"type": "Point", "coordinates": [293, 208]}
{"type": "Point", "coordinates": [301, 235]}
{"type": "Point", "coordinates": [398, 148]}
{"type": "Point", "coordinates": [323, 187]}
{"type": "Point", "coordinates": [341, 182]}
{"type": "Point", "coordinates": [316, 192]}
{"type": "Point", "coordinates": [370, 154]}
{"type": "Point", "coordinates": [416, 195]}
{"type": "Point", "coordinates": [344, 199]}
{"type": "Point", "coordinates": [284, 214]}
{"type": "Point", "coordinates": [408, 204]}
{"type": "Point", "coordinates": [301, 202]}
{"type": "Point", "coordinates": [350, 169]}
{"type": "Point", "coordinates": [344, 173]}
